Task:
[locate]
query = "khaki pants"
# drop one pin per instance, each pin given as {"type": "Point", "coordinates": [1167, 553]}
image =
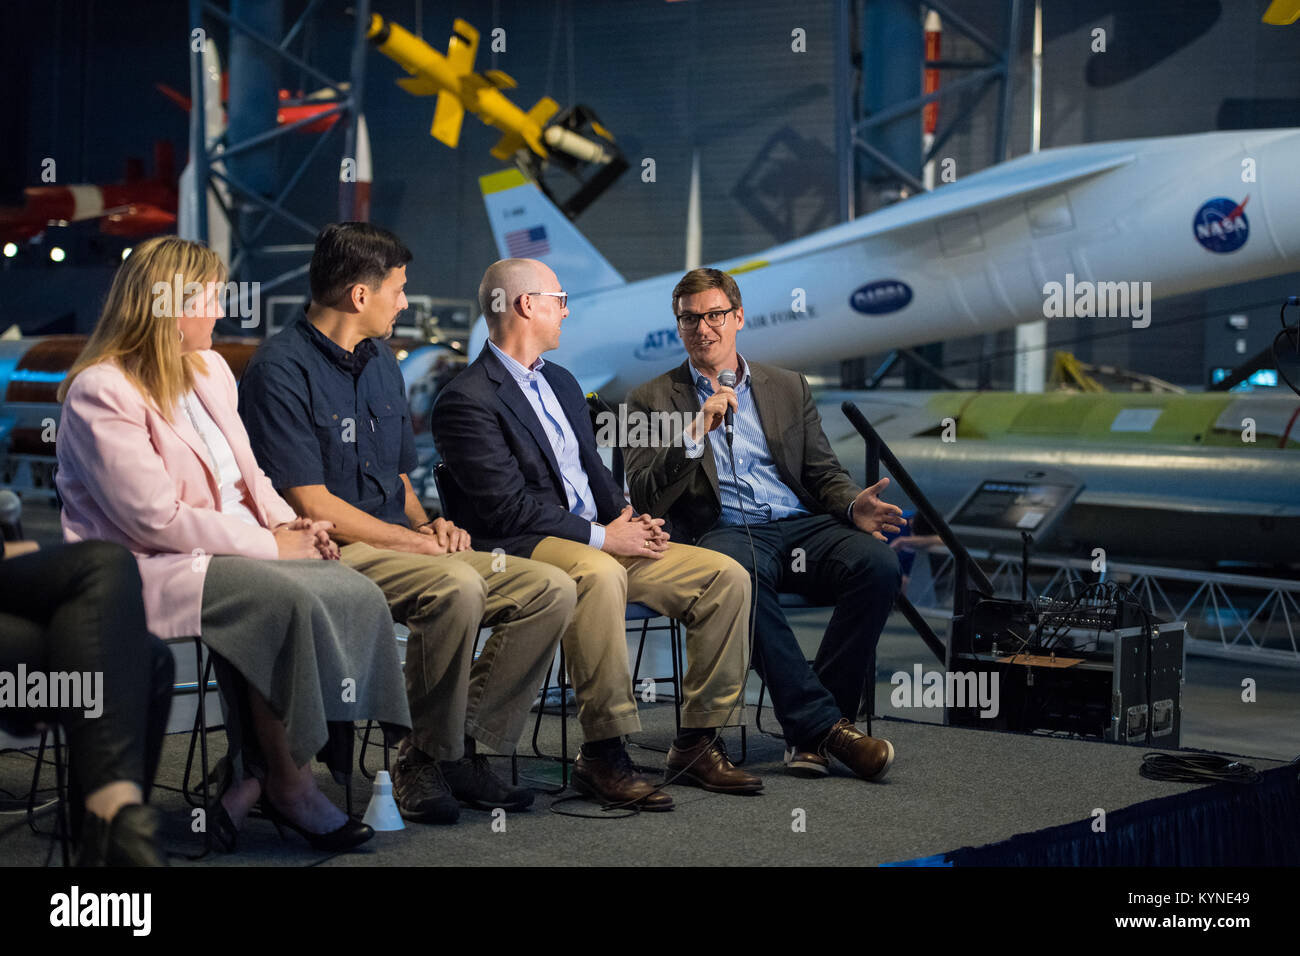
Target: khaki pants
{"type": "Point", "coordinates": [708, 592]}
{"type": "Point", "coordinates": [444, 600]}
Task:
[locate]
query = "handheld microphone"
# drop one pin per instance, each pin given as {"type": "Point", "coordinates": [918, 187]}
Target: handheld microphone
{"type": "Point", "coordinates": [728, 378]}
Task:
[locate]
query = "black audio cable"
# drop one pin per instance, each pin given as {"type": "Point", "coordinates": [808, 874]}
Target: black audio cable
{"type": "Point", "coordinates": [1196, 768]}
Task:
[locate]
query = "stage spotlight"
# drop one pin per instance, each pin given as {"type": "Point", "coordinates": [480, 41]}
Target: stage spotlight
{"type": "Point", "coordinates": [11, 249]}
{"type": "Point", "coordinates": [126, 252]}
{"type": "Point", "coordinates": [57, 254]}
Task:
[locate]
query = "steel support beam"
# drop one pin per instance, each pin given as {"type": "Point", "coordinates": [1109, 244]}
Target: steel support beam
{"type": "Point", "coordinates": [248, 247]}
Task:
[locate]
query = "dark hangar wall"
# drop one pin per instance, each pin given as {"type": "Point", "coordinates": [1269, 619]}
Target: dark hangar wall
{"type": "Point", "coordinates": [667, 78]}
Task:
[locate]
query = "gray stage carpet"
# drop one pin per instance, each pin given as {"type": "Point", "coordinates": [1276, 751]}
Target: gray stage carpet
{"type": "Point", "coordinates": [948, 788]}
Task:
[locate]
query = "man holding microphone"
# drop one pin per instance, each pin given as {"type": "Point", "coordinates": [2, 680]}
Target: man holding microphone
{"type": "Point", "coordinates": [772, 475]}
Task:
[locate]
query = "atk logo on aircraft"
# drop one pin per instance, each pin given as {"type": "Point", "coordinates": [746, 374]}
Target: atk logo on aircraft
{"type": "Point", "coordinates": [879, 298]}
{"type": "Point", "coordinates": [1221, 225]}
{"type": "Point", "coordinates": [661, 343]}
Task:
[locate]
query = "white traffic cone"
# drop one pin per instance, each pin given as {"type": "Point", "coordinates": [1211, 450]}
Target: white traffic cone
{"type": "Point", "coordinates": [382, 813]}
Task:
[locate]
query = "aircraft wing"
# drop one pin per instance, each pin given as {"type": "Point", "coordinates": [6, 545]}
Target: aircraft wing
{"type": "Point", "coordinates": [1020, 178]}
{"type": "Point", "coordinates": [1188, 506]}
{"type": "Point", "coordinates": [462, 48]}
{"type": "Point", "coordinates": [419, 85]}
{"type": "Point", "coordinates": [448, 116]}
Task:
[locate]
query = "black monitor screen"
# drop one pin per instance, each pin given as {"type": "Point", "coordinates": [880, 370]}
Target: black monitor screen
{"type": "Point", "coordinates": [1013, 505]}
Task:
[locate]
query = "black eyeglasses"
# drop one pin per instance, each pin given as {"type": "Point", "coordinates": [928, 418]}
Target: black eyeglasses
{"type": "Point", "coordinates": [715, 320]}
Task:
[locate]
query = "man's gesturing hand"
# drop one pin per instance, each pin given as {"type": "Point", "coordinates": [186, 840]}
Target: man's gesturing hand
{"type": "Point", "coordinates": [874, 516]}
{"type": "Point", "coordinates": [712, 413]}
{"type": "Point", "coordinates": [630, 536]}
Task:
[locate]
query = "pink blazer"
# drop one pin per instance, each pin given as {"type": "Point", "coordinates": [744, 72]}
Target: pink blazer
{"type": "Point", "coordinates": [129, 475]}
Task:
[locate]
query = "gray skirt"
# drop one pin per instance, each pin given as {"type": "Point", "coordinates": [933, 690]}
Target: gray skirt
{"type": "Point", "coordinates": [315, 638]}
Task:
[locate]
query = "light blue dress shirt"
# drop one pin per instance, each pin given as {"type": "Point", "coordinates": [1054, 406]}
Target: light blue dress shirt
{"type": "Point", "coordinates": [765, 496]}
{"type": "Point", "coordinates": [577, 487]}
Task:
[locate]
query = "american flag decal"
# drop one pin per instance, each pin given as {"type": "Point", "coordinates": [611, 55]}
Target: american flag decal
{"type": "Point", "coordinates": [527, 243]}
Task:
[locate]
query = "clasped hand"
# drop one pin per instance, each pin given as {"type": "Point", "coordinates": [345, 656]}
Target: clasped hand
{"type": "Point", "coordinates": [636, 536]}
{"type": "Point", "coordinates": [304, 538]}
{"type": "Point", "coordinates": [450, 538]}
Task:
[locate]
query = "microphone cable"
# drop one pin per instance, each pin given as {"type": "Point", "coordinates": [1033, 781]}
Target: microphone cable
{"type": "Point", "coordinates": [753, 555]}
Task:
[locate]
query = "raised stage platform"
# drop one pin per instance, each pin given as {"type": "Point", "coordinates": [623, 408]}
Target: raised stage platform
{"type": "Point", "coordinates": [953, 796]}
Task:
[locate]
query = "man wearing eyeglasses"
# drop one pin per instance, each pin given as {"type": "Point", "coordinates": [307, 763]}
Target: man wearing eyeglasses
{"type": "Point", "coordinates": [516, 436]}
{"type": "Point", "coordinates": [814, 531]}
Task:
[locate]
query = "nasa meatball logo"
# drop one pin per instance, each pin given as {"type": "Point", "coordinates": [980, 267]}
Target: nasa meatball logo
{"type": "Point", "coordinates": [879, 298]}
{"type": "Point", "coordinates": [1221, 225]}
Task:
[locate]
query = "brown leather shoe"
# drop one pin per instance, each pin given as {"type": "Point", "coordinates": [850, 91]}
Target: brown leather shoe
{"type": "Point", "coordinates": [868, 757]}
{"type": "Point", "coordinates": [806, 763]}
{"type": "Point", "coordinates": [706, 765]}
{"type": "Point", "coordinates": [615, 781]}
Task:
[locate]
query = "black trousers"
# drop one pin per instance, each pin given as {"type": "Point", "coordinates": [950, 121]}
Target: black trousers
{"type": "Point", "coordinates": [78, 608]}
{"type": "Point", "coordinates": [828, 562]}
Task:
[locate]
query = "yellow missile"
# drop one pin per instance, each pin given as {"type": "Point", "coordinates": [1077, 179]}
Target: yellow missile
{"type": "Point", "coordinates": [458, 88]}
{"type": "Point", "coordinates": [1282, 12]}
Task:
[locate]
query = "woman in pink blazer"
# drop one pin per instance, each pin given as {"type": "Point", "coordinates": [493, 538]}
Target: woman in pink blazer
{"type": "Point", "coordinates": [153, 455]}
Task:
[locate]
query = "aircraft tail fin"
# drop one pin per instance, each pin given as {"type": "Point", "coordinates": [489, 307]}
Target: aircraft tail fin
{"type": "Point", "coordinates": [526, 224]}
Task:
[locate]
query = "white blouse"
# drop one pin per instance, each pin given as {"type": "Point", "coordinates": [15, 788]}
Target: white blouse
{"type": "Point", "coordinates": [233, 490]}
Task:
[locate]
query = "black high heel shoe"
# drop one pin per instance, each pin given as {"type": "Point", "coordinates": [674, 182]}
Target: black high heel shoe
{"type": "Point", "coordinates": [221, 827]}
{"type": "Point", "coordinates": [351, 834]}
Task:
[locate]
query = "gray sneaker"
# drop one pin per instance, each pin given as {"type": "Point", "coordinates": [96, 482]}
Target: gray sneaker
{"type": "Point", "coordinates": [420, 789]}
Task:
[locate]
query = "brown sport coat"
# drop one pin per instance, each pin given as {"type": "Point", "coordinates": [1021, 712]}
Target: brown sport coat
{"type": "Point", "coordinates": [667, 484]}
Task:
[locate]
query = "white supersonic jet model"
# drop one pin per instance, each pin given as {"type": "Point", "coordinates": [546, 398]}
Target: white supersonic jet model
{"type": "Point", "coordinates": [1098, 230]}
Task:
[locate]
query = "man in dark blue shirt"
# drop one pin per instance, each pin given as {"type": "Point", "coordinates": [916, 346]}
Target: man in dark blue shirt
{"type": "Point", "coordinates": [326, 412]}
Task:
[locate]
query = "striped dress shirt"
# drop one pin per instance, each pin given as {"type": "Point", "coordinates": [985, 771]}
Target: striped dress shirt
{"type": "Point", "coordinates": [577, 487]}
{"type": "Point", "coordinates": [764, 495]}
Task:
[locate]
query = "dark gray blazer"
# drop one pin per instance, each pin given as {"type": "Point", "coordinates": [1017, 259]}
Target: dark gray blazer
{"type": "Point", "coordinates": [667, 484]}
